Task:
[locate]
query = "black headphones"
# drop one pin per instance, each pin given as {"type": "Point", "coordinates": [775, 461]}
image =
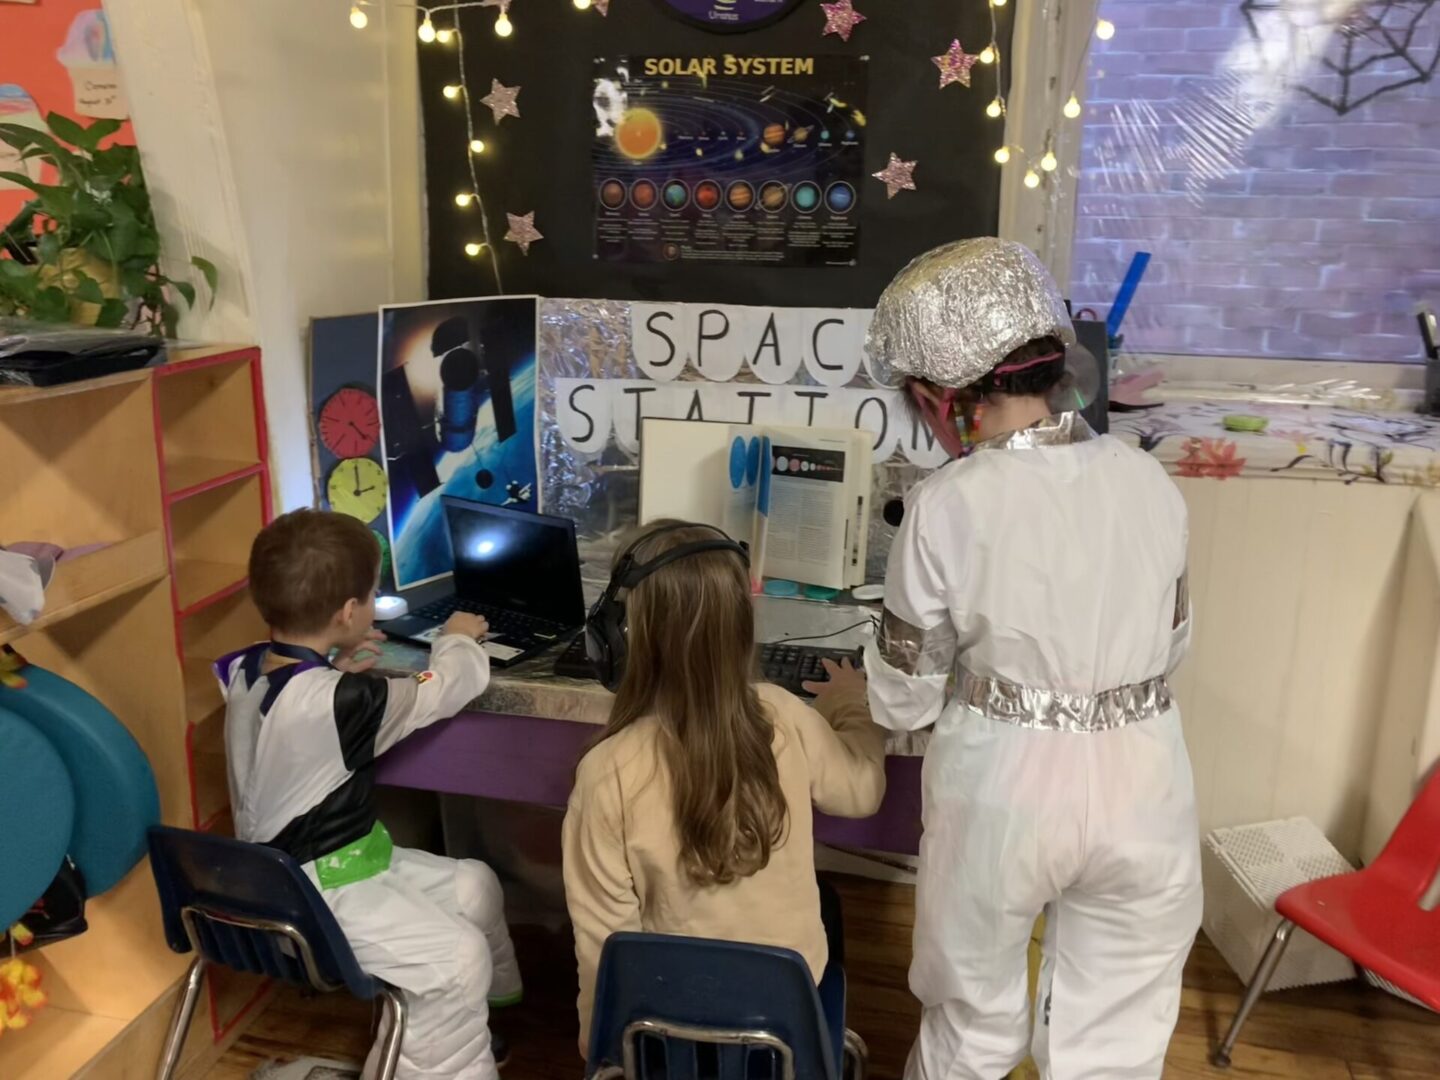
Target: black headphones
{"type": "Point", "coordinates": [605, 629]}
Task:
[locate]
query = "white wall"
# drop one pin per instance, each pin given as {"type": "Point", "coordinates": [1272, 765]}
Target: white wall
{"type": "Point", "coordinates": [283, 144]}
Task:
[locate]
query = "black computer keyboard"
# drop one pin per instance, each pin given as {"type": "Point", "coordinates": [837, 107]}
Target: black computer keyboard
{"type": "Point", "coordinates": [790, 666]}
{"type": "Point", "coordinates": [782, 663]}
{"type": "Point", "coordinates": [510, 624]}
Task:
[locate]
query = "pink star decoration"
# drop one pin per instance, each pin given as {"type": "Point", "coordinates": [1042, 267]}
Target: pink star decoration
{"type": "Point", "coordinates": [501, 100]}
{"type": "Point", "coordinates": [898, 176]}
{"type": "Point", "coordinates": [522, 231]}
{"type": "Point", "coordinates": [841, 18]}
{"type": "Point", "coordinates": [954, 64]}
{"type": "Point", "coordinates": [602, 6]}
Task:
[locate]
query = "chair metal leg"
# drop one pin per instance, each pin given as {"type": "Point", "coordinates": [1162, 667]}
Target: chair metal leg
{"type": "Point", "coordinates": [1258, 982]}
{"type": "Point", "coordinates": [390, 1050]}
{"type": "Point", "coordinates": [858, 1055]}
{"type": "Point", "coordinates": [180, 1020]}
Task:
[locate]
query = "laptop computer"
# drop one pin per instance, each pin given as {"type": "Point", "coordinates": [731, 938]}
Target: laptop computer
{"type": "Point", "coordinates": [521, 571]}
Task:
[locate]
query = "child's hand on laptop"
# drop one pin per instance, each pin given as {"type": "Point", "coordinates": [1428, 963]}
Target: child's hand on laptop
{"type": "Point", "coordinates": [467, 625]}
{"type": "Point", "coordinates": [361, 657]}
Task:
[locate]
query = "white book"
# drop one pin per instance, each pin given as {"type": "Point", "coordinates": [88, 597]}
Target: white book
{"type": "Point", "coordinates": [799, 497]}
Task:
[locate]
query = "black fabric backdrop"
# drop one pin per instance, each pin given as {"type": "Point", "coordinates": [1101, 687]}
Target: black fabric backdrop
{"type": "Point", "coordinates": [541, 161]}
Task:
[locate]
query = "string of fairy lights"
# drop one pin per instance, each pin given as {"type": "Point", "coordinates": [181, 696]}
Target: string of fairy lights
{"type": "Point", "coordinates": [954, 67]}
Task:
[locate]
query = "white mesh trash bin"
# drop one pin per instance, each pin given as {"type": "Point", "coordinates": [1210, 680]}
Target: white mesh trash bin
{"type": "Point", "coordinates": [1245, 870]}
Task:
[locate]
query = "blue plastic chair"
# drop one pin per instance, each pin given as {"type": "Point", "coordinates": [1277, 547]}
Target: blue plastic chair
{"type": "Point", "coordinates": [682, 1008]}
{"type": "Point", "coordinates": [251, 908]}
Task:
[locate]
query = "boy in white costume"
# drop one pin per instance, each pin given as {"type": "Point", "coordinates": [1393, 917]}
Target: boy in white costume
{"type": "Point", "coordinates": [302, 735]}
{"type": "Point", "coordinates": [1035, 603]}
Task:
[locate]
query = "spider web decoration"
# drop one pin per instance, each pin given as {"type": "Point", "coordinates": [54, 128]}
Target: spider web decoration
{"type": "Point", "coordinates": [1373, 48]}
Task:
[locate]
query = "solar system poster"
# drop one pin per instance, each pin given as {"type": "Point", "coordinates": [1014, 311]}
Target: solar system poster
{"type": "Point", "coordinates": [729, 159]}
{"type": "Point", "coordinates": [457, 405]}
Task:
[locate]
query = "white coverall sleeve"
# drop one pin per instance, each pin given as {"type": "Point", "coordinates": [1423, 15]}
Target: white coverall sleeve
{"type": "Point", "coordinates": [599, 888]}
{"type": "Point", "coordinates": [459, 672]}
{"type": "Point", "coordinates": [909, 662]}
{"type": "Point", "coordinates": [1181, 623]}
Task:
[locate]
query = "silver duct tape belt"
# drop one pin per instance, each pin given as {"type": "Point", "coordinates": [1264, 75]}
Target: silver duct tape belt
{"type": "Point", "coordinates": [1050, 710]}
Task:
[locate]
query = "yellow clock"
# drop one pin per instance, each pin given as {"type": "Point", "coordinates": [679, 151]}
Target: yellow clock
{"type": "Point", "coordinates": [358, 487]}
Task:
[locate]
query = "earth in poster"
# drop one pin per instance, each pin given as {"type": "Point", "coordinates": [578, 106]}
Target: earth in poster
{"type": "Point", "coordinates": [457, 401]}
{"type": "Point", "coordinates": [729, 159]}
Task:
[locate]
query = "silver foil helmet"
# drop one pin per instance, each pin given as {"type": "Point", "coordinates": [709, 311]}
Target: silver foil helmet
{"type": "Point", "coordinates": [955, 312]}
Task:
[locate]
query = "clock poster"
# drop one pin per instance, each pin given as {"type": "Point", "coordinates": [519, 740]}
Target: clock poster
{"type": "Point", "coordinates": [729, 16]}
{"type": "Point", "coordinates": [457, 405]}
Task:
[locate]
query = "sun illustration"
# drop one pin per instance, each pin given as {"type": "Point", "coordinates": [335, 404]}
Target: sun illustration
{"type": "Point", "coordinates": [638, 134]}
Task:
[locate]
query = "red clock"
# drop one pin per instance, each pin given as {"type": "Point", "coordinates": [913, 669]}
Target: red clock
{"type": "Point", "coordinates": [350, 423]}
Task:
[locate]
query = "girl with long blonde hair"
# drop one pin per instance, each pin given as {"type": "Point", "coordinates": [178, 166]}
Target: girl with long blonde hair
{"type": "Point", "coordinates": [692, 813]}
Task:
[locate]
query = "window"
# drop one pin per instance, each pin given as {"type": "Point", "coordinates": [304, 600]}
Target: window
{"type": "Point", "coordinates": [1280, 159]}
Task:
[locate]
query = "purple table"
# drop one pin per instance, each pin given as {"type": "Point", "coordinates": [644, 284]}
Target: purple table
{"type": "Point", "coordinates": [529, 760]}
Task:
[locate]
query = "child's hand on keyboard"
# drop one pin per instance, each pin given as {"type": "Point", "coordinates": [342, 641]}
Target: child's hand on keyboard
{"type": "Point", "coordinates": [467, 625]}
{"type": "Point", "coordinates": [844, 678]}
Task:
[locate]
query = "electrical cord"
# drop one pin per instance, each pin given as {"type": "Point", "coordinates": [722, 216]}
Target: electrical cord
{"type": "Point", "coordinates": [824, 637]}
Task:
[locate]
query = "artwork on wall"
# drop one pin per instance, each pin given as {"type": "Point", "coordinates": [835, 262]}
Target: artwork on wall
{"type": "Point", "coordinates": [457, 402]}
{"type": "Point", "coordinates": [729, 16]}
{"type": "Point", "coordinates": [346, 415]}
{"type": "Point", "coordinates": [729, 159]}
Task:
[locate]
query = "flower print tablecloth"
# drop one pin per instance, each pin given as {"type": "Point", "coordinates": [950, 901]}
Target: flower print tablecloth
{"type": "Point", "coordinates": [1301, 442]}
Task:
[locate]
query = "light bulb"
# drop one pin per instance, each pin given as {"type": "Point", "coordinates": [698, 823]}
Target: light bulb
{"type": "Point", "coordinates": [582, 5]}
{"type": "Point", "coordinates": [444, 37]}
{"type": "Point", "coordinates": [1032, 178]}
{"type": "Point", "coordinates": [503, 26]}
{"type": "Point", "coordinates": [1002, 155]}
{"type": "Point", "coordinates": [427, 30]}
{"type": "Point", "coordinates": [1072, 107]}
{"type": "Point", "coordinates": [1105, 29]}
{"type": "Point", "coordinates": [994, 109]}
{"type": "Point", "coordinates": [477, 146]}
{"type": "Point", "coordinates": [451, 91]}
{"type": "Point", "coordinates": [987, 56]}
{"type": "Point", "coordinates": [472, 249]}
{"type": "Point", "coordinates": [463, 199]}
{"type": "Point", "coordinates": [1049, 162]}
{"type": "Point", "coordinates": [358, 19]}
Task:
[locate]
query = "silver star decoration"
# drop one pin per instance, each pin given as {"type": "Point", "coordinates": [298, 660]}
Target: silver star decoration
{"type": "Point", "coordinates": [522, 231]}
{"type": "Point", "coordinates": [501, 100]}
{"type": "Point", "coordinates": [954, 64]}
{"type": "Point", "coordinates": [841, 19]}
{"type": "Point", "coordinates": [898, 176]}
{"type": "Point", "coordinates": [602, 6]}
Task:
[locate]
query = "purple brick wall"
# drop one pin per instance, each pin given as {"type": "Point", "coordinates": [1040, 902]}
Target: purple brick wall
{"type": "Point", "coordinates": [1278, 228]}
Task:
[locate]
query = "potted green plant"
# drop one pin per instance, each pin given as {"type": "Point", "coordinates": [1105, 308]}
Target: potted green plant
{"type": "Point", "coordinates": [85, 248]}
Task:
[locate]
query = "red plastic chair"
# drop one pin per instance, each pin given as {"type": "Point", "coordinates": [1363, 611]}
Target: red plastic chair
{"type": "Point", "coordinates": [1386, 917]}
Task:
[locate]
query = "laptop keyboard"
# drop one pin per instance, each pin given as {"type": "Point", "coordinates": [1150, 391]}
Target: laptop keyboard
{"type": "Point", "coordinates": [507, 624]}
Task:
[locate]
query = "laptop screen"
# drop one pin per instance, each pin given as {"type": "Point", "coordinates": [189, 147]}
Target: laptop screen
{"type": "Point", "coordinates": [515, 560]}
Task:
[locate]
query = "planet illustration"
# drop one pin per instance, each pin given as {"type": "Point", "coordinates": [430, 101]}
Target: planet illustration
{"type": "Point", "coordinates": [740, 196]}
{"type": "Point", "coordinates": [806, 197]}
{"type": "Point", "coordinates": [422, 540]}
{"type": "Point", "coordinates": [643, 194]}
{"type": "Point", "coordinates": [671, 251]}
{"type": "Point", "coordinates": [707, 195]}
{"type": "Point", "coordinates": [612, 194]}
{"type": "Point", "coordinates": [840, 197]}
{"type": "Point", "coordinates": [801, 136]}
{"type": "Point", "coordinates": [676, 195]}
{"type": "Point", "coordinates": [773, 135]}
{"type": "Point", "coordinates": [638, 135]}
{"type": "Point", "coordinates": [772, 196]}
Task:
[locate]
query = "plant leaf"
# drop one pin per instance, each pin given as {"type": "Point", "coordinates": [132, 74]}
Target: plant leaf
{"type": "Point", "coordinates": [68, 130]}
{"type": "Point", "coordinates": [102, 129]}
{"type": "Point", "coordinates": [51, 305]}
{"type": "Point", "coordinates": [185, 289]}
{"type": "Point", "coordinates": [112, 313]}
{"type": "Point", "coordinates": [212, 275]}
{"type": "Point", "coordinates": [21, 179]}
{"type": "Point", "coordinates": [49, 248]}
{"type": "Point", "coordinates": [87, 288]}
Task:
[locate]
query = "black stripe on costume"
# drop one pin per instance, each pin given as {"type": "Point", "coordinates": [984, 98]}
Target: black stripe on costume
{"type": "Point", "coordinates": [360, 702]}
{"type": "Point", "coordinates": [341, 818]}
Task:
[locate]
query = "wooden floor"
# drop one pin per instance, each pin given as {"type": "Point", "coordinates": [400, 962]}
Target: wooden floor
{"type": "Point", "coordinates": [1345, 1032]}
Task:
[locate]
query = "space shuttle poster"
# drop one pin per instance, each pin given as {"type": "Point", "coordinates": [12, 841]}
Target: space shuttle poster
{"type": "Point", "coordinates": [457, 406]}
